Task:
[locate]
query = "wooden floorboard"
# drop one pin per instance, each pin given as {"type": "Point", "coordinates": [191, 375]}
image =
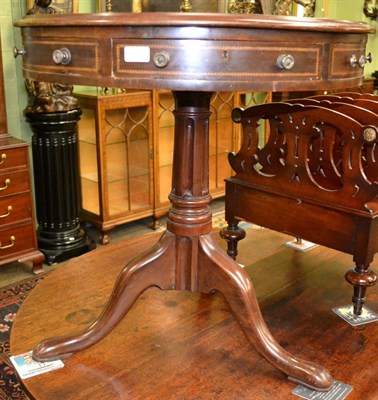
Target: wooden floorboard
{"type": "Point", "coordinates": [188, 346]}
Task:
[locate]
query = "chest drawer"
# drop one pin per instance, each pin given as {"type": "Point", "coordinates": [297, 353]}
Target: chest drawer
{"type": "Point", "coordinates": [14, 182]}
{"type": "Point", "coordinates": [15, 208]}
{"type": "Point", "coordinates": [13, 158]}
{"type": "Point", "coordinates": [16, 239]}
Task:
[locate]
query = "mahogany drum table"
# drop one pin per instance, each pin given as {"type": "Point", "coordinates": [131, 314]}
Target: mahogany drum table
{"type": "Point", "coordinates": [193, 55]}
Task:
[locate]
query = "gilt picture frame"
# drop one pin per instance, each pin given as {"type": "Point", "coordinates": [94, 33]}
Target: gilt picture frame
{"type": "Point", "coordinates": [65, 6]}
{"type": "Point", "coordinates": [161, 5]}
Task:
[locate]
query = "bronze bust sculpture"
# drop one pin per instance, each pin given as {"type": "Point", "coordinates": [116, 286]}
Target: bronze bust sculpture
{"type": "Point", "coordinates": [46, 97]}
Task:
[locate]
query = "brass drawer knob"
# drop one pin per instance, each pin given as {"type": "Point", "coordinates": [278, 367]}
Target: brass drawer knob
{"type": "Point", "coordinates": [237, 115]}
{"type": "Point", "coordinates": [17, 52]}
{"type": "Point", "coordinates": [6, 184]}
{"type": "Point", "coordinates": [285, 61]}
{"type": "Point", "coordinates": [161, 60]}
{"type": "Point", "coordinates": [3, 158]}
{"type": "Point", "coordinates": [360, 61]}
{"type": "Point", "coordinates": [7, 246]}
{"type": "Point", "coordinates": [9, 210]}
{"type": "Point", "coordinates": [62, 56]}
{"type": "Point", "coordinates": [370, 134]}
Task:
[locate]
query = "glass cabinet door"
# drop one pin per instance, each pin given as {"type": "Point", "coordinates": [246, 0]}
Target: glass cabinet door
{"type": "Point", "coordinates": [90, 199]}
{"type": "Point", "coordinates": [116, 158]}
{"type": "Point", "coordinates": [164, 137]}
{"type": "Point", "coordinates": [223, 138]}
{"type": "Point", "coordinates": [127, 159]}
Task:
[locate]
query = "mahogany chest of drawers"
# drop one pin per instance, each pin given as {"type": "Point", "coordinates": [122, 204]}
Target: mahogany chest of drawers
{"type": "Point", "coordinates": [18, 240]}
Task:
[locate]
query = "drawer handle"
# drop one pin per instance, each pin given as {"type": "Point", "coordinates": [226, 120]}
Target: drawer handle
{"type": "Point", "coordinates": [7, 183]}
{"type": "Point", "coordinates": [285, 61]}
{"type": "Point", "coordinates": [3, 158]}
{"type": "Point", "coordinates": [161, 60]}
{"type": "Point", "coordinates": [17, 52]}
{"type": "Point", "coordinates": [9, 209]}
{"type": "Point", "coordinates": [7, 246]}
{"type": "Point", "coordinates": [370, 134]}
{"type": "Point", "coordinates": [360, 61]}
{"type": "Point", "coordinates": [62, 56]}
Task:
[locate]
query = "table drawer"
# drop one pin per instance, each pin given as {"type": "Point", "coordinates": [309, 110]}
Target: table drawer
{"type": "Point", "coordinates": [13, 158]}
{"type": "Point", "coordinates": [14, 182]}
{"type": "Point", "coordinates": [215, 59]}
{"type": "Point", "coordinates": [340, 60]}
{"type": "Point", "coordinates": [16, 240]}
{"type": "Point", "coordinates": [84, 55]}
{"type": "Point", "coordinates": [206, 58]}
{"type": "Point", "coordinates": [15, 208]}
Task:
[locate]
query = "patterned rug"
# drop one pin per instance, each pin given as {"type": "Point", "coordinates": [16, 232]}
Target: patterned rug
{"type": "Point", "coordinates": [11, 298]}
{"type": "Point", "coordinates": [218, 220]}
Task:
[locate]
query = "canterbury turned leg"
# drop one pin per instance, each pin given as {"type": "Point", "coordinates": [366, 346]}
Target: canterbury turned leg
{"type": "Point", "coordinates": [188, 258]}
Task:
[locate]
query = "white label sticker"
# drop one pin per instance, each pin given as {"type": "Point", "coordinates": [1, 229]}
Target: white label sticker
{"type": "Point", "coordinates": [27, 367]}
{"type": "Point", "coordinates": [140, 54]}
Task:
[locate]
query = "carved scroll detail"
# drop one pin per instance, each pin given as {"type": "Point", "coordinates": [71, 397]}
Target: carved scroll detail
{"type": "Point", "coordinates": [311, 151]}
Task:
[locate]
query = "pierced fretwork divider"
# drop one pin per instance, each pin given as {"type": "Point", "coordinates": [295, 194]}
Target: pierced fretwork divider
{"type": "Point", "coordinates": [316, 177]}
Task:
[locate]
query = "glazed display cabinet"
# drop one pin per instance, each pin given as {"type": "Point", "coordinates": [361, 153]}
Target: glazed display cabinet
{"type": "Point", "coordinates": [126, 153]}
{"type": "Point", "coordinates": [115, 156]}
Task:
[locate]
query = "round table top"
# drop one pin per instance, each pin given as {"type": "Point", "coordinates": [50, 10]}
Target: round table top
{"type": "Point", "coordinates": [210, 20]}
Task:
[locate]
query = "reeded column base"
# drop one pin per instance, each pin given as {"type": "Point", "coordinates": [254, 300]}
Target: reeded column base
{"type": "Point", "coordinates": [61, 246]}
{"type": "Point", "coordinates": [56, 181]}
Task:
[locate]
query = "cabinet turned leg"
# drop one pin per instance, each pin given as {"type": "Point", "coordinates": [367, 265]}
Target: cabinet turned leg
{"type": "Point", "coordinates": [232, 234]}
{"type": "Point", "coordinates": [361, 277]}
{"type": "Point", "coordinates": [104, 238]}
{"type": "Point", "coordinates": [155, 223]}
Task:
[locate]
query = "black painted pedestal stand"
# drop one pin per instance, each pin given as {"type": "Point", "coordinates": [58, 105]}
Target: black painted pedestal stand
{"type": "Point", "coordinates": [56, 180]}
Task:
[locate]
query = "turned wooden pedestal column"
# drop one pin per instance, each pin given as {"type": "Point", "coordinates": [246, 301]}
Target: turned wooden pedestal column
{"type": "Point", "coordinates": [55, 162]}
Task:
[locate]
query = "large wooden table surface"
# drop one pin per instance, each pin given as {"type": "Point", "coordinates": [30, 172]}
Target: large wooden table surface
{"type": "Point", "coordinates": [183, 345]}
